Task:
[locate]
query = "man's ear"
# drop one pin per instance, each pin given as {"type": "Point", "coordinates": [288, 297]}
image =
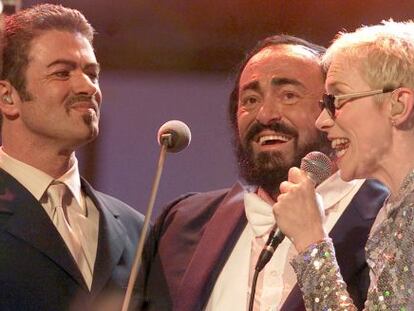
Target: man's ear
{"type": "Point", "coordinates": [401, 107]}
{"type": "Point", "coordinates": [8, 99]}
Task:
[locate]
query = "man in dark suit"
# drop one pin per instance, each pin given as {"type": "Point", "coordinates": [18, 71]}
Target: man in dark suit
{"type": "Point", "coordinates": [63, 245]}
{"type": "Point", "coordinates": [203, 248]}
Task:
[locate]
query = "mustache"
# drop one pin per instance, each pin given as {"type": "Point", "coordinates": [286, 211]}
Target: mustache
{"type": "Point", "coordinates": [81, 98]}
{"type": "Point", "coordinates": [275, 126]}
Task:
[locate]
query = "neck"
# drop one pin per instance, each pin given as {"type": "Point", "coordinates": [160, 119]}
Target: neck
{"type": "Point", "coordinates": [47, 154]}
{"type": "Point", "coordinates": [392, 178]}
{"type": "Point", "coordinates": [266, 197]}
{"type": "Point", "coordinates": [54, 164]}
{"type": "Point", "coordinates": [397, 166]}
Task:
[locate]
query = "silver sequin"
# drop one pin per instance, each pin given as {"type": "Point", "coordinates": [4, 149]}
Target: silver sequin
{"type": "Point", "coordinates": [390, 256]}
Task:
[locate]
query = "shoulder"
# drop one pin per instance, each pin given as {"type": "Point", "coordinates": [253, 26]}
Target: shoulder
{"type": "Point", "coordinates": [188, 201]}
{"type": "Point", "coordinates": [116, 207]}
{"type": "Point", "coordinates": [191, 203]}
{"type": "Point", "coordinates": [374, 188]}
{"type": "Point", "coordinates": [193, 210]}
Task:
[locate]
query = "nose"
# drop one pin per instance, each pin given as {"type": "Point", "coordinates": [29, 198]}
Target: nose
{"type": "Point", "coordinates": [269, 112]}
{"type": "Point", "coordinates": [324, 121]}
{"type": "Point", "coordinates": [84, 84]}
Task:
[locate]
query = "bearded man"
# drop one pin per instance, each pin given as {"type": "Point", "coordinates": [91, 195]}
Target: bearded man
{"type": "Point", "coordinates": [204, 246]}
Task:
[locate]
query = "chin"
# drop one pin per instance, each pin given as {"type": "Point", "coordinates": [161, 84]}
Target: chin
{"type": "Point", "coordinates": [87, 136]}
{"type": "Point", "coordinates": [346, 176]}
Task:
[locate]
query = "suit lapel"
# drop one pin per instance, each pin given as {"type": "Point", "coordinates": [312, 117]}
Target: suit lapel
{"type": "Point", "coordinates": [219, 238]}
{"type": "Point", "coordinates": [349, 235]}
{"type": "Point", "coordinates": [351, 231]}
{"type": "Point", "coordinates": [110, 242]}
{"type": "Point", "coordinates": [29, 222]}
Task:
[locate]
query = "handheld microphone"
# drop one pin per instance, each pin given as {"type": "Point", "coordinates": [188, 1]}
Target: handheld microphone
{"type": "Point", "coordinates": [173, 136]}
{"type": "Point", "coordinates": [318, 167]}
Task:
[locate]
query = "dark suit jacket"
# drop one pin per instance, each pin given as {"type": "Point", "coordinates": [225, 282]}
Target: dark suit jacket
{"type": "Point", "coordinates": [37, 271]}
{"type": "Point", "coordinates": [195, 235]}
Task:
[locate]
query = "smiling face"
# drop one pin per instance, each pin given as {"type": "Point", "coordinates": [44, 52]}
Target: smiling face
{"type": "Point", "coordinates": [64, 96]}
{"type": "Point", "coordinates": [360, 134]}
{"type": "Point", "coordinates": [278, 104]}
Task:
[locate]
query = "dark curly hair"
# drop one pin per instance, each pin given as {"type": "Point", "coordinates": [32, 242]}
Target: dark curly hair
{"type": "Point", "coordinates": [269, 41]}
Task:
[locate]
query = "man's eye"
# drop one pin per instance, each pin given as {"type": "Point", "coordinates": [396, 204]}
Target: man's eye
{"type": "Point", "coordinates": [289, 95]}
{"type": "Point", "coordinates": [62, 74]}
{"type": "Point", "coordinates": [289, 98]}
{"type": "Point", "coordinates": [249, 101]}
{"type": "Point", "coordinates": [93, 76]}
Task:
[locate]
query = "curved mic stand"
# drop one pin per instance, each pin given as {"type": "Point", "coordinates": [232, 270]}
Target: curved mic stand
{"type": "Point", "coordinates": [165, 141]}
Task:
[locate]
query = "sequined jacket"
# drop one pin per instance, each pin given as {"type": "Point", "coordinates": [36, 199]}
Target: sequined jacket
{"type": "Point", "coordinates": [390, 256]}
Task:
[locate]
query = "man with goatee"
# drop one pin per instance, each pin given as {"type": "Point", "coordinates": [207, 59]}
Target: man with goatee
{"type": "Point", "coordinates": [63, 244]}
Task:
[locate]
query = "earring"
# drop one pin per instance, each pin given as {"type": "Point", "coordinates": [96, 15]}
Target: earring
{"type": "Point", "coordinates": [7, 99]}
{"type": "Point", "coordinates": [393, 122]}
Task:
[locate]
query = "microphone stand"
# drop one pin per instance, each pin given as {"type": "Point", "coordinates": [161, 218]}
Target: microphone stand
{"type": "Point", "coordinates": [166, 141]}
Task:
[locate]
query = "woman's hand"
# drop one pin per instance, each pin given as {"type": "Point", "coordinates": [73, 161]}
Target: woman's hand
{"type": "Point", "coordinates": [297, 212]}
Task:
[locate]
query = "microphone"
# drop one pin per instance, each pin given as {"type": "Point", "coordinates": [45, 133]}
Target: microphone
{"type": "Point", "coordinates": [318, 167]}
{"type": "Point", "coordinates": [173, 136]}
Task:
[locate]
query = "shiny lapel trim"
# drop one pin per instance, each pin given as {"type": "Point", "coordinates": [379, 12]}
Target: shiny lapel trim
{"type": "Point", "coordinates": [110, 242]}
{"type": "Point", "coordinates": [30, 223]}
{"type": "Point", "coordinates": [219, 238]}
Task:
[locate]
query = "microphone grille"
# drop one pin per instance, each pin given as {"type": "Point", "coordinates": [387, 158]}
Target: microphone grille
{"type": "Point", "coordinates": [318, 166]}
{"type": "Point", "coordinates": [177, 133]}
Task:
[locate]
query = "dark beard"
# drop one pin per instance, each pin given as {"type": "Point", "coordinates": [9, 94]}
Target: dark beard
{"type": "Point", "coordinates": [268, 169]}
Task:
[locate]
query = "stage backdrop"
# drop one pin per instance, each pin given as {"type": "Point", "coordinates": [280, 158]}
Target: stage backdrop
{"type": "Point", "coordinates": [126, 153]}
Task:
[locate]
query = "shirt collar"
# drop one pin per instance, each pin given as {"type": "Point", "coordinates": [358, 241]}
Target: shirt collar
{"type": "Point", "coordinates": [72, 180]}
{"type": "Point", "coordinates": [37, 181]}
{"type": "Point", "coordinates": [334, 189]}
{"type": "Point", "coordinates": [259, 213]}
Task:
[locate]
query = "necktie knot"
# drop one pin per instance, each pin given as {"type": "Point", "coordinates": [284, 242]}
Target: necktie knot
{"type": "Point", "coordinates": [56, 193]}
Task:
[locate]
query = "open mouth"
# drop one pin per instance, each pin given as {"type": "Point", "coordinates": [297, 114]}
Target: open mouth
{"type": "Point", "coordinates": [340, 145]}
{"type": "Point", "coordinates": [267, 140]}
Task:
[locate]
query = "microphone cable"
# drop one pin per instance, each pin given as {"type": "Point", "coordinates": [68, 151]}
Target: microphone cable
{"type": "Point", "coordinates": [266, 254]}
{"type": "Point", "coordinates": [318, 167]}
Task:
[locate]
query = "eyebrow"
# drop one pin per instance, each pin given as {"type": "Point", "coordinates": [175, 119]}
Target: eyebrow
{"type": "Point", "coordinates": [334, 88]}
{"type": "Point", "coordinates": [254, 85]}
{"type": "Point", "coordinates": [284, 81]}
{"type": "Point", "coordinates": [72, 64]}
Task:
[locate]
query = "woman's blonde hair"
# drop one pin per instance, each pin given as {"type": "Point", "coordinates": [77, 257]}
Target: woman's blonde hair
{"type": "Point", "coordinates": [383, 53]}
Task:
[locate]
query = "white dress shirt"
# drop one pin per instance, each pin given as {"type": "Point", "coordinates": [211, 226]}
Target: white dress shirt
{"type": "Point", "coordinates": [37, 182]}
{"type": "Point", "coordinates": [231, 290]}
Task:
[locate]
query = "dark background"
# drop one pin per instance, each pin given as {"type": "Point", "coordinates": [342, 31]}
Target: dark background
{"type": "Point", "coordinates": [174, 59]}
